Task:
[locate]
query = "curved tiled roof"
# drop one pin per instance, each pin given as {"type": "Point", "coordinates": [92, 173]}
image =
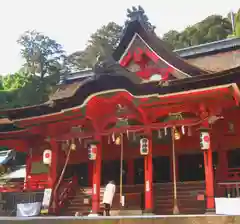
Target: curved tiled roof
{"type": "Point", "coordinates": [112, 81]}
{"type": "Point", "coordinates": [157, 45]}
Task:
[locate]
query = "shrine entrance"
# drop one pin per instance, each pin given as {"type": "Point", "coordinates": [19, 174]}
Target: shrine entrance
{"type": "Point", "coordinates": [161, 167]}
{"type": "Point", "coordinates": [80, 171]}
{"type": "Point", "coordinates": [191, 166]}
{"type": "Point", "coordinates": [111, 171]}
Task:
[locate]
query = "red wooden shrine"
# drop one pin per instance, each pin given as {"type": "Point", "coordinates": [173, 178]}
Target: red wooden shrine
{"type": "Point", "coordinates": [150, 90]}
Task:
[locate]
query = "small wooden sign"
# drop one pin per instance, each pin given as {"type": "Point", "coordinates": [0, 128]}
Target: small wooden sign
{"type": "Point", "coordinates": [86, 201]}
{"type": "Point", "coordinates": [200, 197]}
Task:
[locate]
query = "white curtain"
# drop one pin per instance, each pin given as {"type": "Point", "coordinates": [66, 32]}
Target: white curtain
{"type": "Point", "coordinates": [28, 209]}
{"type": "Point", "coordinates": [227, 206]}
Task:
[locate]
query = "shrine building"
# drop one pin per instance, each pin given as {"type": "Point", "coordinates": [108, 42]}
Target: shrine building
{"type": "Point", "coordinates": [162, 124]}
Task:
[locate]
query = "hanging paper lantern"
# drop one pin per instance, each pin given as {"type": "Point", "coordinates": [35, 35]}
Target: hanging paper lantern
{"type": "Point", "coordinates": [47, 156]}
{"type": "Point", "coordinates": [144, 146]}
{"type": "Point", "coordinates": [204, 140]}
{"type": "Point", "coordinates": [92, 152]}
{"type": "Point", "coordinates": [159, 134]}
{"type": "Point", "coordinates": [177, 135]}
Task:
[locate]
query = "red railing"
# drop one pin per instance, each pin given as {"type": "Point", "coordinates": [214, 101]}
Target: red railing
{"type": "Point", "coordinates": [65, 191]}
{"type": "Point", "coordinates": [228, 189]}
{"type": "Point", "coordinates": [233, 174]}
{"type": "Point", "coordinates": [57, 185]}
{"type": "Point", "coordinates": [11, 186]}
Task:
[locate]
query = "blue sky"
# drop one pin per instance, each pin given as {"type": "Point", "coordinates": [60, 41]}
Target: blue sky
{"type": "Point", "coordinates": [71, 22]}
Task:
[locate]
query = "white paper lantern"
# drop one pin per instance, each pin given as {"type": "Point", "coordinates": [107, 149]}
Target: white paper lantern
{"type": "Point", "coordinates": [92, 152]}
{"type": "Point", "coordinates": [47, 156]}
{"type": "Point", "coordinates": [204, 140]}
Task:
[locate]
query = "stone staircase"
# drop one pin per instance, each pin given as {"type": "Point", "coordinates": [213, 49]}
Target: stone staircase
{"type": "Point", "coordinates": [187, 195]}
{"type": "Point", "coordinates": [81, 202]}
{"type": "Point", "coordinates": [163, 200]}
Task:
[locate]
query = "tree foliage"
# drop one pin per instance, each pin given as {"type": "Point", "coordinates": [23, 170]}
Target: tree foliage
{"type": "Point", "coordinates": [45, 61]}
{"type": "Point", "coordinates": [212, 28]}
{"type": "Point", "coordinates": [100, 45]}
{"type": "Point", "coordinates": [43, 55]}
{"type": "Point", "coordinates": [236, 21]}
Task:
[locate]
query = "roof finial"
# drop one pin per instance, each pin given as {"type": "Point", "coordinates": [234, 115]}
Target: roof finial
{"type": "Point", "coordinates": [138, 13]}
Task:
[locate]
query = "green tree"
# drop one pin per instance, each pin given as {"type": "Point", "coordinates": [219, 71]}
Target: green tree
{"type": "Point", "coordinates": [237, 24]}
{"type": "Point", "coordinates": [43, 55]}
{"type": "Point", "coordinates": [213, 28]}
{"type": "Point", "coordinates": [100, 45]}
{"type": "Point", "coordinates": [32, 84]}
{"type": "Point", "coordinates": [15, 81]}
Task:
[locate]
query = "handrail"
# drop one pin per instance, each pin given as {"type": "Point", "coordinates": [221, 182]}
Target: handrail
{"type": "Point", "coordinates": [228, 189]}
{"type": "Point", "coordinates": [54, 202]}
{"type": "Point", "coordinates": [20, 186]}
{"type": "Point", "coordinates": [66, 193]}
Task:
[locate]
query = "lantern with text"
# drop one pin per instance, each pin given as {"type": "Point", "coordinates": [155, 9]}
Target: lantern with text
{"type": "Point", "coordinates": [92, 152]}
{"type": "Point", "coordinates": [47, 156]}
{"type": "Point", "coordinates": [144, 146]}
{"type": "Point", "coordinates": [204, 140]}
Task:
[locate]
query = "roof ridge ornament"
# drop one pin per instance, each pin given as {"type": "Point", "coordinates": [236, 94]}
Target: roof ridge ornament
{"type": "Point", "coordinates": [138, 13]}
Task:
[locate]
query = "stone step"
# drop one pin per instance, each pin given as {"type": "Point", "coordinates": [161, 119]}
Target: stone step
{"type": "Point", "coordinates": [163, 199]}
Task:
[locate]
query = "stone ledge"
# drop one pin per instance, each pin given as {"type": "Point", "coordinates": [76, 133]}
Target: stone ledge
{"type": "Point", "coordinates": [179, 219]}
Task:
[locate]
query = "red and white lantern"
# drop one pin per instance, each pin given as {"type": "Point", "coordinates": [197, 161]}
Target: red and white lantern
{"type": "Point", "coordinates": [204, 140]}
{"type": "Point", "coordinates": [47, 156]}
{"type": "Point", "coordinates": [92, 152]}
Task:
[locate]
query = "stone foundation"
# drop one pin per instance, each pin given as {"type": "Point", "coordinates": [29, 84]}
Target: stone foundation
{"type": "Point", "coordinates": [181, 219]}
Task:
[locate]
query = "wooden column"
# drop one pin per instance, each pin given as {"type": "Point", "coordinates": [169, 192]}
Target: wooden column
{"type": "Point", "coordinates": [148, 172]}
{"type": "Point", "coordinates": [130, 172]}
{"type": "Point", "coordinates": [209, 177]}
{"type": "Point", "coordinates": [96, 180]}
{"type": "Point", "coordinates": [53, 175]}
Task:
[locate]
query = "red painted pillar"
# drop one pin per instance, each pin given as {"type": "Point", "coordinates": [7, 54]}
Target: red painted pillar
{"type": "Point", "coordinates": [130, 172]}
{"type": "Point", "coordinates": [148, 172]}
{"type": "Point", "coordinates": [96, 180]}
{"type": "Point", "coordinates": [209, 177]}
